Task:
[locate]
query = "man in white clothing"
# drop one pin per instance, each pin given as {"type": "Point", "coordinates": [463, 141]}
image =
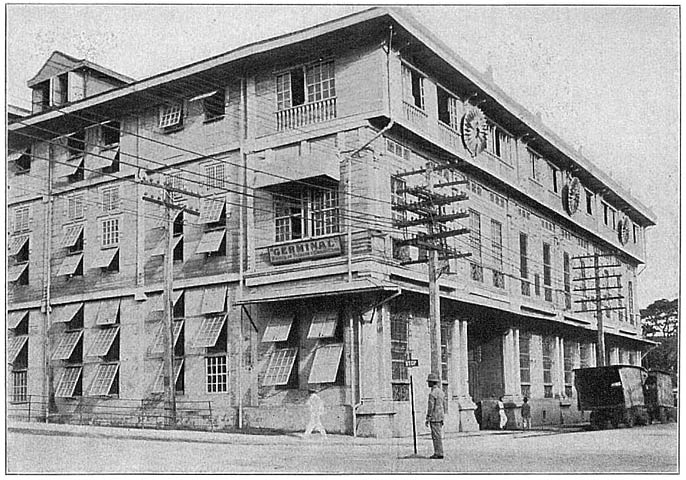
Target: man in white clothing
{"type": "Point", "coordinates": [316, 409]}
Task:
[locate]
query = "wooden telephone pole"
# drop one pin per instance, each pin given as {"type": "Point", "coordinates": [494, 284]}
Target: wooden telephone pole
{"type": "Point", "coordinates": [171, 206]}
{"type": "Point", "coordinates": [429, 209]}
{"type": "Point", "coordinates": [600, 295]}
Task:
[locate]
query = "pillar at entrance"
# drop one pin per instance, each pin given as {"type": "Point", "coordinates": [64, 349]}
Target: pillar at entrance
{"type": "Point", "coordinates": [460, 378]}
{"type": "Point", "coordinates": [511, 378]}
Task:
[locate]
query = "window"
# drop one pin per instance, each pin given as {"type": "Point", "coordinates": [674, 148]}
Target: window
{"type": "Point", "coordinates": [311, 213]}
{"type": "Point", "coordinates": [217, 374]}
{"type": "Point", "coordinates": [110, 199]}
{"type": "Point", "coordinates": [497, 251]}
{"type": "Point", "coordinates": [547, 274]}
{"type": "Point", "coordinates": [525, 360]}
{"type": "Point", "coordinates": [19, 248]}
{"type": "Point", "coordinates": [448, 109]}
{"type": "Point", "coordinates": [567, 275]}
{"type": "Point", "coordinates": [214, 105]}
{"type": "Point", "coordinates": [475, 243]}
{"type": "Point", "coordinates": [398, 198]}
{"type": "Point", "coordinates": [105, 381]}
{"type": "Point", "coordinates": [323, 325]}
{"type": "Point", "coordinates": [280, 367]}
{"type": "Point", "coordinates": [630, 301]}
{"type": "Point", "coordinates": [214, 175]}
{"type": "Point", "coordinates": [396, 149]}
{"type": "Point", "coordinates": [110, 232]}
{"type": "Point", "coordinates": [309, 84]}
{"type": "Point", "coordinates": [41, 97]}
{"type": "Point", "coordinates": [606, 214]}
{"type": "Point", "coordinates": [548, 348]}
{"type": "Point", "coordinates": [171, 116]}
{"type": "Point", "coordinates": [325, 366]}
{"type": "Point", "coordinates": [499, 143]}
{"type": "Point", "coordinates": [413, 87]}
{"type": "Point", "coordinates": [400, 325]}
{"type": "Point", "coordinates": [635, 234]}
{"type": "Point", "coordinates": [76, 144]}
{"type": "Point", "coordinates": [110, 133]}
{"type": "Point", "coordinates": [19, 386]}
{"type": "Point", "coordinates": [75, 206]}
{"type": "Point", "coordinates": [66, 344]}
{"type": "Point", "coordinates": [534, 165]}
{"type": "Point", "coordinates": [60, 89]}
{"type": "Point", "coordinates": [589, 203]}
{"type": "Point", "coordinates": [21, 218]}
{"type": "Point", "coordinates": [524, 264]}
{"type": "Point", "coordinates": [554, 173]}
{"type": "Point", "coordinates": [569, 350]}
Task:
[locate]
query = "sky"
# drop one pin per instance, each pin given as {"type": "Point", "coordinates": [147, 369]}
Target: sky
{"type": "Point", "coordinates": [604, 78]}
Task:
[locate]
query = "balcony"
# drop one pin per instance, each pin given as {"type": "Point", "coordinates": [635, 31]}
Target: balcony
{"type": "Point", "coordinates": [307, 114]}
{"type": "Point", "coordinates": [449, 136]}
{"type": "Point", "coordinates": [416, 116]}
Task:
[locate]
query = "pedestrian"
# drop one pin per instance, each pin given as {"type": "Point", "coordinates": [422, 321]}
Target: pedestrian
{"type": "Point", "coordinates": [435, 414]}
{"type": "Point", "coordinates": [526, 415]}
{"type": "Point", "coordinates": [501, 412]}
{"type": "Point", "coordinates": [316, 405]}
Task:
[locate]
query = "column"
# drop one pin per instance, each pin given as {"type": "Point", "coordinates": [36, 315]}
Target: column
{"type": "Point", "coordinates": [511, 379]}
{"type": "Point", "coordinates": [559, 366]}
{"type": "Point", "coordinates": [466, 407]}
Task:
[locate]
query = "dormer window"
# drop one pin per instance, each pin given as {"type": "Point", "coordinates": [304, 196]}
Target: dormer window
{"type": "Point", "coordinates": [58, 90]}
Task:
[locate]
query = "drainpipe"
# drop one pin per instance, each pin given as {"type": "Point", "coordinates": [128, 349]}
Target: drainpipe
{"type": "Point", "coordinates": [47, 282]}
{"type": "Point", "coordinates": [241, 243]}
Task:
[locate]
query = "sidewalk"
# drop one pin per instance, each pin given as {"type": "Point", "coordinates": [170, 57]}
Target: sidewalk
{"type": "Point", "coordinates": [283, 438]}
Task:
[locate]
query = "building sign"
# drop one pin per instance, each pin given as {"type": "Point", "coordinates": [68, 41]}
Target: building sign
{"type": "Point", "coordinates": [306, 250]}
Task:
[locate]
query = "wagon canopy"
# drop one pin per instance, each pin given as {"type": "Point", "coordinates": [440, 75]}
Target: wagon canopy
{"type": "Point", "coordinates": [609, 387]}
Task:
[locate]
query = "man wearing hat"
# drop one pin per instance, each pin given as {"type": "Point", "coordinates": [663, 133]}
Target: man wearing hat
{"type": "Point", "coordinates": [435, 414]}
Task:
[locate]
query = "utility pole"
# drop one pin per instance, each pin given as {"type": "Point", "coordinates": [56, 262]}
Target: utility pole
{"type": "Point", "coordinates": [429, 210]}
{"type": "Point", "coordinates": [168, 298]}
{"type": "Point", "coordinates": [600, 295]}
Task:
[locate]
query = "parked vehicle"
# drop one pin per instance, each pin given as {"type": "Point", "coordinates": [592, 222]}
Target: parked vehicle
{"type": "Point", "coordinates": [659, 396]}
{"type": "Point", "coordinates": [613, 394]}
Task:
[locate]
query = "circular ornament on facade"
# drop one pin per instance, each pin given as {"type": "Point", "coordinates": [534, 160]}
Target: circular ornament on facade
{"type": "Point", "coordinates": [623, 231]}
{"type": "Point", "coordinates": [573, 195]}
{"type": "Point", "coordinates": [474, 131]}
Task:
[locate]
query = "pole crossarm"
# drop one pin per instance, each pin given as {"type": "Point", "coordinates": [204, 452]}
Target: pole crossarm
{"type": "Point", "coordinates": [586, 267]}
{"type": "Point", "coordinates": [171, 205]}
{"type": "Point", "coordinates": [603, 309]}
{"type": "Point", "coordinates": [437, 218]}
{"type": "Point", "coordinates": [593, 288]}
{"type": "Point", "coordinates": [605, 299]}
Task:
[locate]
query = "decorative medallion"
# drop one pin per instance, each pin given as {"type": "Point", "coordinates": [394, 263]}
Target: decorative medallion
{"type": "Point", "coordinates": [623, 230]}
{"type": "Point", "coordinates": [572, 195]}
{"type": "Point", "coordinates": [474, 131]}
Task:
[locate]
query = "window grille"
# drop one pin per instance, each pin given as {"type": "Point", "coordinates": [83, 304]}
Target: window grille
{"type": "Point", "coordinates": [217, 379]}
{"type": "Point", "coordinates": [399, 352]}
{"type": "Point", "coordinates": [547, 274]}
{"type": "Point", "coordinates": [214, 176]}
{"type": "Point", "coordinates": [75, 205]}
{"type": "Point", "coordinates": [280, 366]}
{"type": "Point", "coordinates": [309, 214]}
{"type": "Point", "coordinates": [110, 232]}
{"type": "Point", "coordinates": [20, 386]}
{"type": "Point", "coordinates": [110, 199]}
{"type": "Point", "coordinates": [548, 366]}
{"type": "Point", "coordinates": [21, 219]}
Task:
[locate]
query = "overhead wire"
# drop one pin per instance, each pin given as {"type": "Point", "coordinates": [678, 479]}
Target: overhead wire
{"type": "Point", "coordinates": [261, 171]}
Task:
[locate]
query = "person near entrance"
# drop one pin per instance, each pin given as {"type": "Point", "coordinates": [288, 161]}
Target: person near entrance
{"type": "Point", "coordinates": [435, 414]}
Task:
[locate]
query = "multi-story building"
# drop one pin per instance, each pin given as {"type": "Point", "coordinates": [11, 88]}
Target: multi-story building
{"type": "Point", "coordinates": [293, 272]}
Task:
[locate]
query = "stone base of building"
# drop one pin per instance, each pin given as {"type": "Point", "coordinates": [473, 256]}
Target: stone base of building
{"type": "Point", "coordinates": [465, 414]}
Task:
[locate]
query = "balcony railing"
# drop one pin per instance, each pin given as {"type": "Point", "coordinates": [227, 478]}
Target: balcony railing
{"type": "Point", "coordinates": [449, 136]}
{"type": "Point", "coordinates": [416, 116]}
{"type": "Point", "coordinates": [306, 114]}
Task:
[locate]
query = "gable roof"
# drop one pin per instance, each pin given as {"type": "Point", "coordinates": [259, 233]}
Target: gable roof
{"type": "Point", "coordinates": [61, 62]}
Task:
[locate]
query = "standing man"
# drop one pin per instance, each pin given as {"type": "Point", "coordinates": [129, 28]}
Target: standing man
{"type": "Point", "coordinates": [316, 405]}
{"type": "Point", "coordinates": [435, 414]}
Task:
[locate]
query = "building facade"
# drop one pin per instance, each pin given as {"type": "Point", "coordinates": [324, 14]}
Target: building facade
{"type": "Point", "coordinates": [293, 159]}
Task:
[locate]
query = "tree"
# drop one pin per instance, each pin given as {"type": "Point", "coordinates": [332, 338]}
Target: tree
{"type": "Point", "coordinates": [661, 324]}
{"type": "Point", "coordinates": [661, 318]}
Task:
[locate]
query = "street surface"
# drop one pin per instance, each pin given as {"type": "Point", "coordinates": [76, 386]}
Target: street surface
{"type": "Point", "coordinates": [641, 449]}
